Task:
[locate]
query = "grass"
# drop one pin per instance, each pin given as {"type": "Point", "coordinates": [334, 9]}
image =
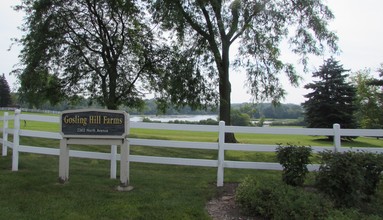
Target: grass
{"type": "Point", "coordinates": [33, 192]}
{"type": "Point", "coordinates": [160, 191]}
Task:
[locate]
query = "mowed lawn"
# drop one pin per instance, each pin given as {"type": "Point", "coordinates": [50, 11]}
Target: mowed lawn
{"type": "Point", "coordinates": [160, 191]}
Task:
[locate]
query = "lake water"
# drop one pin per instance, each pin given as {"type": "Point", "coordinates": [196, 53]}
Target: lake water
{"type": "Point", "coordinates": [167, 118]}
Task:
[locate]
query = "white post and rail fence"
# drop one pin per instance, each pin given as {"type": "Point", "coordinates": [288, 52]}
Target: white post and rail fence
{"type": "Point", "coordinates": [220, 146]}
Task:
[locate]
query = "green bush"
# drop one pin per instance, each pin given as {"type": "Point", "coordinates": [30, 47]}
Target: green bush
{"type": "Point", "coordinates": [294, 160]}
{"type": "Point", "coordinates": [148, 120]}
{"type": "Point", "coordinates": [297, 122]}
{"type": "Point", "coordinates": [208, 121]}
{"type": "Point", "coordinates": [350, 214]}
{"type": "Point", "coordinates": [276, 200]}
{"type": "Point", "coordinates": [372, 166]}
{"type": "Point", "coordinates": [239, 119]}
{"type": "Point", "coordinates": [349, 178]}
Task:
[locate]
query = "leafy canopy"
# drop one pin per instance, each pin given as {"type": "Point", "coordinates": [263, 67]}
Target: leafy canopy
{"type": "Point", "coordinates": [369, 100]}
{"type": "Point", "coordinates": [208, 28]}
{"type": "Point", "coordinates": [105, 50]}
{"type": "Point", "coordinates": [110, 50]}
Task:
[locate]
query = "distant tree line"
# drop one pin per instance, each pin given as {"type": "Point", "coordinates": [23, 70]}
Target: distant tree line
{"type": "Point", "coordinates": [267, 110]}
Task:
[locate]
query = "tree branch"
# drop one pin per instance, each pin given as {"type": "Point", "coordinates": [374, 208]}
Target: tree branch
{"type": "Point", "coordinates": [216, 5]}
{"type": "Point", "coordinates": [191, 22]}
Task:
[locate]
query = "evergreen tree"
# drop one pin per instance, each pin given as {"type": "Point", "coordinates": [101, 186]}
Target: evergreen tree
{"type": "Point", "coordinates": [332, 98]}
{"type": "Point", "coordinates": [5, 94]}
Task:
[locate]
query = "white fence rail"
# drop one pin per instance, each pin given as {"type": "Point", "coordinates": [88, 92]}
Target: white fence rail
{"type": "Point", "coordinates": [219, 146]}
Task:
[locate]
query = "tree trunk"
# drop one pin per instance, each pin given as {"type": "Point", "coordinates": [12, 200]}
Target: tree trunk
{"type": "Point", "coordinates": [113, 102]}
{"type": "Point", "coordinates": [225, 92]}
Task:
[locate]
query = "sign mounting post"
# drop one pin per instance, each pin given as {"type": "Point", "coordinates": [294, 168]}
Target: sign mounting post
{"type": "Point", "coordinates": [98, 127]}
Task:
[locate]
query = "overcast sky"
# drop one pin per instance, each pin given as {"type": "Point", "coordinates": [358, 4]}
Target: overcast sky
{"type": "Point", "coordinates": [357, 23]}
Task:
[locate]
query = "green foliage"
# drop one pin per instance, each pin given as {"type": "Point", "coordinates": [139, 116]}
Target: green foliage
{"type": "Point", "coordinates": [208, 121]}
{"type": "Point", "coordinates": [207, 29]}
{"type": "Point", "coordinates": [269, 110]}
{"type": "Point", "coordinates": [183, 83]}
{"type": "Point", "coordinates": [251, 109]}
{"type": "Point", "coordinates": [349, 178]}
{"type": "Point", "coordinates": [294, 160]}
{"type": "Point", "coordinates": [261, 122]}
{"type": "Point", "coordinates": [332, 98]}
{"type": "Point", "coordinates": [351, 214]}
{"type": "Point", "coordinates": [369, 100]}
{"type": "Point", "coordinates": [5, 93]}
{"type": "Point", "coordinates": [275, 200]}
{"type": "Point", "coordinates": [378, 82]}
{"type": "Point", "coordinates": [239, 119]}
{"type": "Point", "coordinates": [101, 49]}
{"type": "Point", "coordinates": [148, 120]}
{"type": "Point", "coordinates": [300, 122]}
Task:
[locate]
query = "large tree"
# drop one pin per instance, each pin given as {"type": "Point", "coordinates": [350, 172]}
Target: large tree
{"type": "Point", "coordinates": [209, 28]}
{"type": "Point", "coordinates": [369, 100]}
{"type": "Point", "coordinates": [331, 98]}
{"type": "Point", "coordinates": [5, 92]}
{"type": "Point", "coordinates": [101, 49]}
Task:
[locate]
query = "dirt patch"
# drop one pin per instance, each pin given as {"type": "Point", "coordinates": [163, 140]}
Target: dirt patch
{"type": "Point", "coordinates": [223, 207]}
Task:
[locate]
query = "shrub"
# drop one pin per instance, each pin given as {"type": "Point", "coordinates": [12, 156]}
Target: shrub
{"type": "Point", "coordinates": [208, 121]}
{"type": "Point", "coordinates": [294, 160]}
{"type": "Point", "coordinates": [276, 200]}
{"type": "Point", "coordinates": [239, 119]}
{"type": "Point", "coordinates": [351, 214]}
{"type": "Point", "coordinates": [297, 122]}
{"type": "Point", "coordinates": [372, 165]}
{"type": "Point", "coordinates": [349, 178]}
{"type": "Point", "coordinates": [148, 120]}
{"type": "Point", "coordinates": [261, 122]}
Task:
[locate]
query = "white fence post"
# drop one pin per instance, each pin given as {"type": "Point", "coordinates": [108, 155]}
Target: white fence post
{"type": "Point", "coordinates": [64, 161]}
{"type": "Point", "coordinates": [5, 134]}
{"type": "Point", "coordinates": [124, 167]}
{"type": "Point", "coordinates": [337, 143]}
{"type": "Point", "coordinates": [16, 141]}
{"type": "Point", "coordinates": [221, 153]}
{"type": "Point", "coordinates": [128, 160]}
{"type": "Point", "coordinates": [113, 161]}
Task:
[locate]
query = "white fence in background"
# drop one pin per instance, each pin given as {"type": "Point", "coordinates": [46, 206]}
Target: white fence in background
{"type": "Point", "coordinates": [220, 163]}
{"type": "Point", "coordinates": [30, 110]}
